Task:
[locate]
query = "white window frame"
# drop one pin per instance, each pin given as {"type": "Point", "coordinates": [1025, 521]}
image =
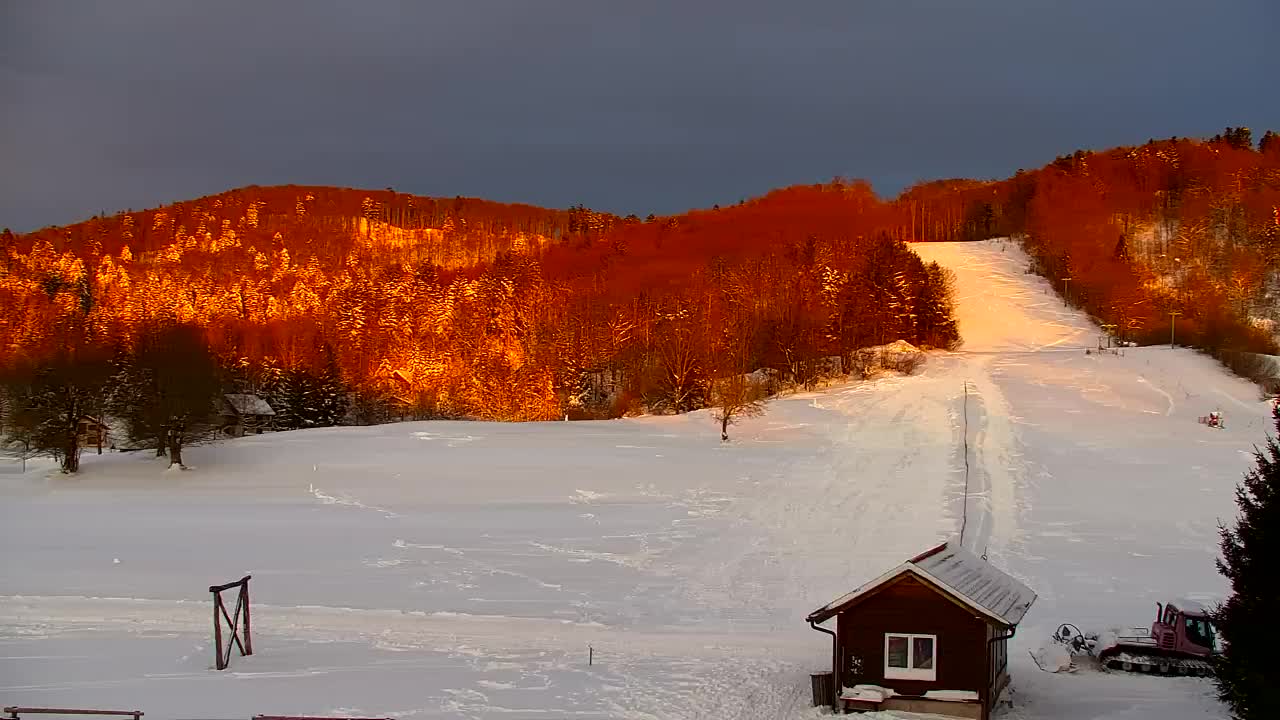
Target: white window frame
{"type": "Point", "coordinates": [910, 672]}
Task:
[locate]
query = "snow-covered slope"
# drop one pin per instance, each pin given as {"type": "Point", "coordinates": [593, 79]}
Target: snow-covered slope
{"type": "Point", "coordinates": [462, 569]}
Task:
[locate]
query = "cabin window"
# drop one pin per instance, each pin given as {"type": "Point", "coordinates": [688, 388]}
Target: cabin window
{"type": "Point", "coordinates": [1199, 632]}
{"type": "Point", "coordinates": [910, 657]}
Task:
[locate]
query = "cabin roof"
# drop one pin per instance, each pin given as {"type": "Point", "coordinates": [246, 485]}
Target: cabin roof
{"type": "Point", "coordinates": [246, 404]}
{"type": "Point", "coordinates": [957, 572]}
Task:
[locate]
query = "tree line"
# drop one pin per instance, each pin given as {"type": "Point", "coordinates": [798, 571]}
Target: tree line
{"type": "Point", "coordinates": [422, 308]}
{"type": "Point", "coordinates": [607, 316]}
{"type": "Point", "coordinates": [1180, 230]}
{"type": "Point", "coordinates": [165, 389]}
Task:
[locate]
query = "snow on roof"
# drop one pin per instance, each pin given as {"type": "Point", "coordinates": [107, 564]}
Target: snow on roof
{"type": "Point", "coordinates": [978, 580]}
{"type": "Point", "coordinates": [961, 574]}
{"type": "Point", "coordinates": [1190, 605]}
{"type": "Point", "coordinates": [245, 404]}
{"type": "Point", "coordinates": [901, 346]}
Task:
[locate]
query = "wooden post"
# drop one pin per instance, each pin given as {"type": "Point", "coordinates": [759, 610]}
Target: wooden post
{"type": "Point", "coordinates": [217, 632]}
{"type": "Point", "coordinates": [248, 637]}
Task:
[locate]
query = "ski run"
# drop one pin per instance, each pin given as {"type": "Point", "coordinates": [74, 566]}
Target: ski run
{"type": "Point", "coordinates": [470, 570]}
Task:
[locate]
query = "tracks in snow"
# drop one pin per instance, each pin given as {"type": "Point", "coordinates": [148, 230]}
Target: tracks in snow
{"type": "Point", "coordinates": [989, 454]}
{"type": "Point", "coordinates": [440, 631]}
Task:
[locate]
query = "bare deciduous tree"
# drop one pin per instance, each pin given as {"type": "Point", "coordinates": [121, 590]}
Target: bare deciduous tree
{"type": "Point", "coordinates": [680, 364]}
{"type": "Point", "coordinates": [172, 387]}
{"type": "Point", "coordinates": [735, 396]}
{"type": "Point", "coordinates": [47, 402]}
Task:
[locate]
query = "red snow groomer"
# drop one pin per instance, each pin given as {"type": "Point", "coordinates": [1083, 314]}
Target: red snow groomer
{"type": "Point", "coordinates": [1213, 420]}
{"type": "Point", "coordinates": [1180, 642]}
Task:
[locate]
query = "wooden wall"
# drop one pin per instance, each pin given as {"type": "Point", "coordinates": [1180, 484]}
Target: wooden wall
{"type": "Point", "coordinates": [907, 605]}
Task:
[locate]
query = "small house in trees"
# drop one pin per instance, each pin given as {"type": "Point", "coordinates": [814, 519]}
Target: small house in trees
{"type": "Point", "coordinates": [243, 413]}
{"type": "Point", "coordinates": [927, 636]}
{"type": "Point", "coordinates": [92, 432]}
{"type": "Point", "coordinates": [396, 383]}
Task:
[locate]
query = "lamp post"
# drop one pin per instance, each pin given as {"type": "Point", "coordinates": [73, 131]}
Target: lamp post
{"type": "Point", "coordinates": [1066, 290]}
{"type": "Point", "coordinates": [1173, 319]}
{"type": "Point", "coordinates": [1109, 329]}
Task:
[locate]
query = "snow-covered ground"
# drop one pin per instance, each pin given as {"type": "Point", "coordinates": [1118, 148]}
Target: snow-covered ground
{"type": "Point", "coordinates": [462, 570]}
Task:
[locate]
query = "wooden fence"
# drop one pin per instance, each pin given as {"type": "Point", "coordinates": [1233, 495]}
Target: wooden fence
{"type": "Point", "coordinates": [17, 712]}
{"type": "Point", "coordinates": [237, 637]}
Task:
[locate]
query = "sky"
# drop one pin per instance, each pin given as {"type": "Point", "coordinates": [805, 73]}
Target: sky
{"type": "Point", "coordinates": [623, 106]}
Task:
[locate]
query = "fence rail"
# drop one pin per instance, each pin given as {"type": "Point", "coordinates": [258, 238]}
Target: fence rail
{"type": "Point", "coordinates": [16, 712]}
{"type": "Point", "coordinates": [309, 717]}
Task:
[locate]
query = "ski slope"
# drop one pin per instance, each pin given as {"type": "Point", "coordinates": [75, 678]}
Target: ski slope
{"type": "Point", "coordinates": [462, 570]}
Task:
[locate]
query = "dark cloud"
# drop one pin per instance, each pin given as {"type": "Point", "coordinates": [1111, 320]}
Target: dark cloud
{"type": "Point", "coordinates": [631, 107]}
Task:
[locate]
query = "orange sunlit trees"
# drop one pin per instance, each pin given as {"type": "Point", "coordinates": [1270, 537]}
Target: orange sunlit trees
{"type": "Point", "coordinates": [428, 307]}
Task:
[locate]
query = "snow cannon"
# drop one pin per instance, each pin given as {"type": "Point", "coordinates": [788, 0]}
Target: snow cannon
{"type": "Point", "coordinates": [1213, 420]}
{"type": "Point", "coordinates": [1064, 647]}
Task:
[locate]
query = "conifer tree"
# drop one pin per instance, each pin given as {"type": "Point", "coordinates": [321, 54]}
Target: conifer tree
{"type": "Point", "coordinates": [1240, 138]}
{"type": "Point", "coordinates": [287, 398]}
{"type": "Point", "coordinates": [1246, 672]}
{"type": "Point", "coordinates": [307, 399]}
{"type": "Point", "coordinates": [1121, 252]}
{"type": "Point", "coordinates": [328, 401]}
{"type": "Point", "coordinates": [1270, 142]}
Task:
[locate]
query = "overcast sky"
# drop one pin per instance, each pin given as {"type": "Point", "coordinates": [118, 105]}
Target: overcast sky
{"type": "Point", "coordinates": [638, 106]}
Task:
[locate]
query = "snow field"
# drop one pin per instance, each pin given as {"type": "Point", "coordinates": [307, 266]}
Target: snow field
{"type": "Point", "coordinates": [460, 569]}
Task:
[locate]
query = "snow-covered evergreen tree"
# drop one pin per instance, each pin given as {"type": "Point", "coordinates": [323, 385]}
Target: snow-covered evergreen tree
{"type": "Point", "coordinates": [267, 380]}
{"type": "Point", "coordinates": [1247, 674]}
{"type": "Point", "coordinates": [329, 399]}
{"type": "Point", "coordinates": [308, 399]}
{"type": "Point", "coordinates": [287, 397]}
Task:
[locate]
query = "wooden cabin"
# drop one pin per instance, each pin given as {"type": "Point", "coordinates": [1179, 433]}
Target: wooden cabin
{"type": "Point", "coordinates": [928, 636]}
{"type": "Point", "coordinates": [92, 432]}
{"type": "Point", "coordinates": [243, 414]}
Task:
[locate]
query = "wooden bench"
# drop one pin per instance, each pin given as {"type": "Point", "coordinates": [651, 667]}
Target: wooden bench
{"type": "Point", "coordinates": [14, 712]}
{"type": "Point", "coordinates": [309, 717]}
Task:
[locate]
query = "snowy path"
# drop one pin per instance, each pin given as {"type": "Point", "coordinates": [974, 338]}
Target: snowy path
{"type": "Point", "coordinates": [462, 569]}
{"type": "Point", "coordinates": [1095, 483]}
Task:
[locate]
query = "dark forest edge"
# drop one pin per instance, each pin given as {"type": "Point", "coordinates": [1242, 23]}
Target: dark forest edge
{"type": "Point", "coordinates": [350, 306]}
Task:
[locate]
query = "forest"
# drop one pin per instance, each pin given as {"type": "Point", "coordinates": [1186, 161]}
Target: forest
{"type": "Point", "coordinates": [356, 306]}
{"type": "Point", "coordinates": [341, 305]}
{"type": "Point", "coordinates": [1174, 234]}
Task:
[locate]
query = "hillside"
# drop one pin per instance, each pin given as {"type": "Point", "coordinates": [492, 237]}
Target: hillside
{"type": "Point", "coordinates": [462, 308]}
{"type": "Point", "coordinates": [1132, 234]}
{"type": "Point", "coordinates": [462, 569]}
